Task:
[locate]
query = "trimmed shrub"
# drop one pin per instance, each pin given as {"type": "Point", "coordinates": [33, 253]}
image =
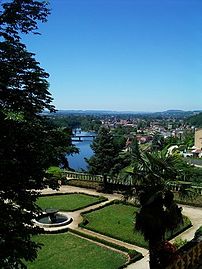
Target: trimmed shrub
{"type": "Point", "coordinates": [198, 232]}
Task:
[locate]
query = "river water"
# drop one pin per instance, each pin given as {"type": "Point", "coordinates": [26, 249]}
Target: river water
{"type": "Point", "coordinates": [76, 161]}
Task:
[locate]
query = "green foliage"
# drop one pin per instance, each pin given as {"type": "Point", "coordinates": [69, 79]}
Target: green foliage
{"type": "Point", "coordinates": [150, 170]}
{"type": "Point", "coordinates": [198, 232]}
{"type": "Point", "coordinates": [86, 123]}
{"type": "Point", "coordinates": [12, 115]}
{"type": "Point", "coordinates": [55, 170]}
{"type": "Point", "coordinates": [90, 124]}
{"type": "Point", "coordinates": [195, 120]}
{"type": "Point", "coordinates": [29, 144]}
{"type": "Point", "coordinates": [179, 242]}
{"type": "Point", "coordinates": [157, 143]}
{"type": "Point", "coordinates": [171, 140]}
{"type": "Point", "coordinates": [188, 139]}
{"type": "Point", "coordinates": [194, 174]}
{"type": "Point", "coordinates": [105, 154]}
{"type": "Point", "coordinates": [84, 183]}
{"type": "Point", "coordinates": [197, 201]}
{"type": "Point", "coordinates": [120, 135]}
{"type": "Point", "coordinates": [56, 174]}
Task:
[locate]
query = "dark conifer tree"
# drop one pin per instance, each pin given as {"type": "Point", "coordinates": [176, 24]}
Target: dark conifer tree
{"type": "Point", "coordinates": [29, 144]}
{"type": "Point", "coordinates": [105, 154]}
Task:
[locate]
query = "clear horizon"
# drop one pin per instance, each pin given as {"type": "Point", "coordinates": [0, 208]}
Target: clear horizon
{"type": "Point", "coordinates": [122, 55]}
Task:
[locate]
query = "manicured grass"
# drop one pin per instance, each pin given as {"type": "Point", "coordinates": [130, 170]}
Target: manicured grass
{"type": "Point", "coordinates": [68, 202]}
{"type": "Point", "coordinates": [68, 251]}
{"type": "Point", "coordinates": [117, 221]}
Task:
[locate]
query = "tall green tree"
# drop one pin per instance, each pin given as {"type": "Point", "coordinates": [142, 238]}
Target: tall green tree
{"type": "Point", "coordinates": [29, 144]}
{"type": "Point", "coordinates": [157, 143]}
{"type": "Point", "coordinates": [105, 154]}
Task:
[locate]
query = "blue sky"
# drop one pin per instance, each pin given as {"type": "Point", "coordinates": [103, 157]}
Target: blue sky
{"type": "Point", "coordinates": [126, 55]}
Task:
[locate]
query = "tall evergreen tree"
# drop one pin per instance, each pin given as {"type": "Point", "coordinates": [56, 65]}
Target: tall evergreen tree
{"type": "Point", "coordinates": [29, 144]}
{"type": "Point", "coordinates": [105, 154]}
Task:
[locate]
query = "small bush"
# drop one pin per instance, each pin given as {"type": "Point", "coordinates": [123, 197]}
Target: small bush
{"type": "Point", "coordinates": [83, 183]}
{"type": "Point", "coordinates": [179, 242]}
{"type": "Point", "coordinates": [198, 232]}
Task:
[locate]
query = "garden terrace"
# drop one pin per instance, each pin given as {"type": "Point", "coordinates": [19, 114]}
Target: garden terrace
{"type": "Point", "coordinates": [73, 252]}
{"type": "Point", "coordinates": [117, 220]}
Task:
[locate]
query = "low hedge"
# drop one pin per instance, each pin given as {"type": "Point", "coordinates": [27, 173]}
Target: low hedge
{"type": "Point", "coordinates": [177, 231]}
{"type": "Point", "coordinates": [133, 254]}
{"type": "Point", "coordinates": [110, 203]}
{"type": "Point", "coordinates": [189, 203]}
{"type": "Point", "coordinates": [198, 232]}
{"type": "Point", "coordinates": [68, 193]}
{"type": "Point", "coordinates": [83, 183]}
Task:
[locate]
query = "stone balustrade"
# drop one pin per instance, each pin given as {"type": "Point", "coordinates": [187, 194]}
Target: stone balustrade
{"type": "Point", "coordinates": [175, 186]}
{"type": "Point", "coordinates": [189, 259]}
{"type": "Point", "coordinates": [83, 176]}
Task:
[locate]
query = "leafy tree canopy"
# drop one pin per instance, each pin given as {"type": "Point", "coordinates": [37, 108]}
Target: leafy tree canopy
{"type": "Point", "coordinates": [29, 143]}
{"type": "Point", "coordinates": [195, 120]}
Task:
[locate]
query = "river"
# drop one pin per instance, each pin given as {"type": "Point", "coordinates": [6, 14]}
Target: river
{"type": "Point", "coordinates": [76, 161]}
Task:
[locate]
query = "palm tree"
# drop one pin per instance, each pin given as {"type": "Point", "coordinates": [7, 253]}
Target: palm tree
{"type": "Point", "coordinates": [150, 169]}
{"type": "Point", "coordinates": [149, 172]}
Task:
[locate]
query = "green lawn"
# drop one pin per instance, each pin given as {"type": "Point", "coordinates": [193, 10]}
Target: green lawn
{"type": "Point", "coordinates": [68, 251]}
{"type": "Point", "coordinates": [68, 202]}
{"type": "Point", "coordinates": [116, 220]}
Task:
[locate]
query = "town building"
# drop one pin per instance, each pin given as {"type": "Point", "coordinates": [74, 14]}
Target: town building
{"type": "Point", "coordinates": [197, 152]}
{"type": "Point", "coordinates": [198, 138]}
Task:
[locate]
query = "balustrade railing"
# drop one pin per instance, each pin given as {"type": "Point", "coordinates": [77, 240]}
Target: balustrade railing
{"type": "Point", "coordinates": [99, 178]}
{"type": "Point", "coordinates": [175, 186]}
{"type": "Point", "coordinates": [83, 176]}
{"type": "Point", "coordinates": [189, 259]}
{"type": "Point", "coordinates": [114, 180]}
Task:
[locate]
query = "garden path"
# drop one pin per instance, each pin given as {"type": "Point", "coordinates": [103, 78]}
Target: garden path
{"type": "Point", "coordinates": [194, 214]}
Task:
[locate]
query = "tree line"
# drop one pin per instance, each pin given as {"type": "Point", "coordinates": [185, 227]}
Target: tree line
{"type": "Point", "coordinates": [86, 123]}
{"type": "Point", "coordinates": [195, 120]}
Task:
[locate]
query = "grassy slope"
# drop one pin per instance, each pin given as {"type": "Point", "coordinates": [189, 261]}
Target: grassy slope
{"type": "Point", "coordinates": [67, 251]}
{"type": "Point", "coordinates": [68, 202]}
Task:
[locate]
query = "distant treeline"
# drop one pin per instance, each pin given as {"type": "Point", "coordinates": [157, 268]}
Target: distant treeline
{"type": "Point", "coordinates": [86, 123]}
{"type": "Point", "coordinates": [195, 120]}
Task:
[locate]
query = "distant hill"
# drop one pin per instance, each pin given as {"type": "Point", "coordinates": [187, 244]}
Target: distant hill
{"type": "Point", "coordinates": [176, 113]}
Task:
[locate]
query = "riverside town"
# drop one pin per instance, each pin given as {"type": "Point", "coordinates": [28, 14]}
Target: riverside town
{"type": "Point", "coordinates": [100, 161]}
